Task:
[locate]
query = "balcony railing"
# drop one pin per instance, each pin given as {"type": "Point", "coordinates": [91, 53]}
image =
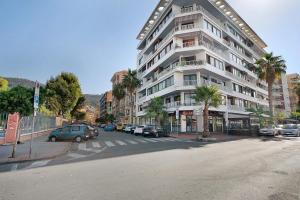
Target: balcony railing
{"type": "Point", "coordinates": [187, 9]}
{"type": "Point", "coordinates": [188, 63]}
{"type": "Point", "coordinates": [173, 104]}
{"type": "Point", "coordinates": [190, 82]}
{"type": "Point", "coordinates": [189, 44]}
{"type": "Point", "coordinates": [220, 86]}
{"type": "Point", "coordinates": [236, 108]}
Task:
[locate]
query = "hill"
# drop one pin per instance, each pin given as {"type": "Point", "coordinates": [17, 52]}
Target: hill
{"type": "Point", "coordinates": [92, 100]}
{"type": "Point", "coordinates": [13, 82]}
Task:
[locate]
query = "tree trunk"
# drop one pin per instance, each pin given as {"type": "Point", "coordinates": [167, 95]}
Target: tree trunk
{"type": "Point", "coordinates": [205, 121]}
{"type": "Point", "coordinates": [131, 109]}
{"type": "Point", "coordinates": [270, 94]}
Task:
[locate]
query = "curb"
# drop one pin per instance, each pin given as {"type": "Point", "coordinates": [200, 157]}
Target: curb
{"type": "Point", "coordinates": [65, 151]}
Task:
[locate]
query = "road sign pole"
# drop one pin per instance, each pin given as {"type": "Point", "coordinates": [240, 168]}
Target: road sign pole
{"type": "Point", "coordinates": [35, 107]}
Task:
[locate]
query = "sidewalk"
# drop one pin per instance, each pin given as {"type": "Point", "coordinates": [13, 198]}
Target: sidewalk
{"type": "Point", "coordinates": [214, 137]}
{"type": "Point", "coordinates": [41, 149]}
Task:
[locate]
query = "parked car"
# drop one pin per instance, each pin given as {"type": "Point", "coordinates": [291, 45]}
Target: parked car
{"type": "Point", "coordinates": [139, 130]}
{"type": "Point", "coordinates": [76, 132]}
{"type": "Point", "coordinates": [102, 125]}
{"type": "Point", "coordinates": [109, 127]}
{"type": "Point", "coordinates": [93, 131]}
{"type": "Point", "coordinates": [153, 131]}
{"type": "Point", "coordinates": [268, 131]}
{"type": "Point", "coordinates": [291, 130]}
{"type": "Point", "coordinates": [120, 127]}
{"type": "Point", "coordinates": [129, 128]}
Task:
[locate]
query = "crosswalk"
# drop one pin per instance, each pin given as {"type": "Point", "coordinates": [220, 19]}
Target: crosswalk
{"type": "Point", "coordinates": [123, 142]}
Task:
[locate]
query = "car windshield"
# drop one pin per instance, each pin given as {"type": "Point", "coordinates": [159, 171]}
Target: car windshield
{"type": "Point", "coordinates": [290, 126]}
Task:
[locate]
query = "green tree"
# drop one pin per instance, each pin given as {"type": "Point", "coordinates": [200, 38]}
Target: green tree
{"type": "Point", "coordinates": [295, 115]}
{"type": "Point", "coordinates": [110, 118]}
{"type": "Point", "coordinates": [209, 96]}
{"type": "Point", "coordinates": [156, 110]}
{"type": "Point", "coordinates": [118, 93]}
{"type": "Point", "coordinates": [131, 83]}
{"type": "Point", "coordinates": [270, 68]}
{"type": "Point", "coordinates": [76, 113]}
{"type": "Point", "coordinates": [258, 112]}
{"type": "Point", "coordinates": [18, 99]}
{"type": "Point", "coordinates": [3, 84]}
{"type": "Point", "coordinates": [279, 117]}
{"type": "Point", "coordinates": [62, 93]}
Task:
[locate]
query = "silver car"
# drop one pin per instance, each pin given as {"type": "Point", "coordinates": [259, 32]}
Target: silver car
{"type": "Point", "coordinates": [269, 131]}
{"type": "Point", "coordinates": [291, 130]}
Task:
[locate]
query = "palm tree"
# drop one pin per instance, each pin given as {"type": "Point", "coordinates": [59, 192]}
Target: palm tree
{"type": "Point", "coordinates": [270, 68]}
{"type": "Point", "coordinates": [131, 83]}
{"type": "Point", "coordinates": [157, 111]}
{"type": "Point", "coordinates": [210, 96]}
{"type": "Point", "coordinates": [118, 93]}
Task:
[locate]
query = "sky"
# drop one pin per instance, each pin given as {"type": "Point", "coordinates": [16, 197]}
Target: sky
{"type": "Point", "coordinates": [95, 38]}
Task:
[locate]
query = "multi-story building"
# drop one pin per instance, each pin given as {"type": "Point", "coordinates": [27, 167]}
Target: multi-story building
{"type": "Point", "coordinates": [123, 112]}
{"type": "Point", "coordinates": [293, 80]}
{"type": "Point", "coordinates": [105, 104]}
{"type": "Point", "coordinates": [281, 101]}
{"type": "Point", "coordinates": [189, 43]}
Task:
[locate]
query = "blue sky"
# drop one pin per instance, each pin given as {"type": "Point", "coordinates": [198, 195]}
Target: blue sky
{"type": "Point", "coordinates": [95, 38]}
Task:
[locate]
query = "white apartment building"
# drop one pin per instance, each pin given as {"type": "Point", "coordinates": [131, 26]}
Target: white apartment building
{"type": "Point", "coordinates": [189, 43]}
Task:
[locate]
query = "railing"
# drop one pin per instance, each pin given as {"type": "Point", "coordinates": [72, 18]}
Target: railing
{"type": "Point", "coordinates": [214, 49]}
{"type": "Point", "coordinates": [236, 108]}
{"type": "Point", "coordinates": [190, 82]}
{"type": "Point", "coordinates": [240, 79]}
{"type": "Point", "coordinates": [221, 87]}
{"type": "Point", "coordinates": [188, 63]}
{"type": "Point", "coordinates": [188, 44]}
{"type": "Point", "coordinates": [173, 104]}
{"type": "Point", "coordinates": [187, 9]}
{"type": "Point", "coordinates": [186, 27]}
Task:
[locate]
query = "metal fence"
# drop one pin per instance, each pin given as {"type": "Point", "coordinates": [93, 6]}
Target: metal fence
{"type": "Point", "coordinates": [3, 122]}
{"type": "Point", "coordinates": [41, 123]}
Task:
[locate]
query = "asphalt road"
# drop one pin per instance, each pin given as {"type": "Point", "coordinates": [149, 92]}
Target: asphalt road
{"type": "Point", "coordinates": [242, 169]}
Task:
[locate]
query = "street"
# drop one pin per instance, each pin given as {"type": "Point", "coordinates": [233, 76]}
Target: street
{"type": "Point", "coordinates": [121, 166]}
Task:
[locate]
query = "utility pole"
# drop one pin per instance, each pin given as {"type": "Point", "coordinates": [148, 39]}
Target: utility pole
{"type": "Point", "coordinates": [35, 107]}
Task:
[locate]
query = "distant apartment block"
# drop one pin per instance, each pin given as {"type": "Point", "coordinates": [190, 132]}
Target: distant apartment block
{"type": "Point", "coordinates": [293, 80]}
{"type": "Point", "coordinates": [281, 98]}
{"type": "Point", "coordinates": [192, 43]}
{"type": "Point", "coordinates": [106, 104]}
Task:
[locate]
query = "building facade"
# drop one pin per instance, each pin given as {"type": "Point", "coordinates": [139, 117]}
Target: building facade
{"type": "Point", "coordinates": [106, 104]}
{"type": "Point", "coordinates": [123, 112]}
{"type": "Point", "coordinates": [293, 80]}
{"type": "Point", "coordinates": [189, 43]}
{"type": "Point", "coordinates": [281, 101]}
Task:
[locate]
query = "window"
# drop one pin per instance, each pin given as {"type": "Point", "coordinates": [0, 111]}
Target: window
{"type": "Point", "coordinates": [215, 62]}
{"type": "Point", "coordinates": [75, 128]}
{"type": "Point", "coordinates": [160, 86]}
{"type": "Point", "coordinates": [212, 28]}
{"type": "Point", "coordinates": [189, 98]}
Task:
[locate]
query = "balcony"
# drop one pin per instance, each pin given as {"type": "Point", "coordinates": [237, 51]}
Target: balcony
{"type": "Point", "coordinates": [189, 44]}
{"type": "Point", "coordinates": [174, 104]}
{"type": "Point", "coordinates": [236, 108]}
{"type": "Point", "coordinates": [190, 83]}
{"type": "Point", "coordinates": [221, 87]}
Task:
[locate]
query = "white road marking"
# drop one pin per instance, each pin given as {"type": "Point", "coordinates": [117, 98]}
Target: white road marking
{"type": "Point", "coordinates": [159, 139]}
{"type": "Point", "coordinates": [141, 140]}
{"type": "Point", "coordinates": [38, 164]}
{"type": "Point", "coordinates": [131, 142]}
{"type": "Point", "coordinates": [109, 143]}
{"type": "Point", "coordinates": [76, 155]}
{"type": "Point", "coordinates": [96, 145]}
{"type": "Point", "coordinates": [150, 140]}
{"type": "Point", "coordinates": [14, 167]}
{"type": "Point", "coordinates": [120, 142]}
{"type": "Point", "coordinates": [82, 146]}
{"type": "Point", "coordinates": [171, 139]}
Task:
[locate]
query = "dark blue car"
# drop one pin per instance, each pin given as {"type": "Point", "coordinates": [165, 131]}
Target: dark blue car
{"type": "Point", "coordinates": [70, 132]}
{"type": "Point", "coordinates": [109, 127]}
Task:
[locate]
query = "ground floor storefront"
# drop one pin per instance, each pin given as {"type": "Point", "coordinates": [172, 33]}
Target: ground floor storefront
{"type": "Point", "coordinates": [189, 121]}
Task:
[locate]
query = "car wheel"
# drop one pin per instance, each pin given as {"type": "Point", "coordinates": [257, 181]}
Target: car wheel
{"type": "Point", "coordinates": [53, 139]}
{"type": "Point", "coordinates": [78, 139]}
